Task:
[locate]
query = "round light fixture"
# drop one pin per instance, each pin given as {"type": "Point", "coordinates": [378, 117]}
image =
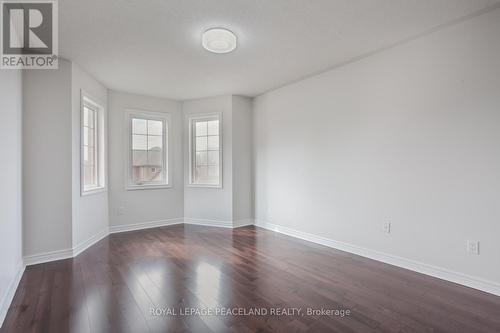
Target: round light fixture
{"type": "Point", "coordinates": [219, 40]}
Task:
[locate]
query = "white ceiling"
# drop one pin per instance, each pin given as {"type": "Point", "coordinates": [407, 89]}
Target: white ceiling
{"type": "Point", "coordinates": [154, 48]}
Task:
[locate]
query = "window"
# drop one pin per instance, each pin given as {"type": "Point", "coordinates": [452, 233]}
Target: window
{"type": "Point", "coordinates": [92, 146]}
{"type": "Point", "coordinates": [205, 150]}
{"type": "Point", "coordinates": [148, 162]}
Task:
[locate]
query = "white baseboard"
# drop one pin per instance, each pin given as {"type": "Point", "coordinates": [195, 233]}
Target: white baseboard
{"type": "Point", "coordinates": [144, 225]}
{"type": "Point", "coordinates": [47, 257]}
{"type": "Point", "coordinates": [9, 295]}
{"type": "Point", "coordinates": [209, 223]}
{"type": "Point", "coordinates": [442, 273]}
{"type": "Point", "coordinates": [70, 253]}
{"type": "Point", "coordinates": [89, 242]}
{"type": "Point", "coordinates": [64, 254]}
{"type": "Point", "coordinates": [242, 223]}
{"type": "Point", "coordinates": [438, 272]}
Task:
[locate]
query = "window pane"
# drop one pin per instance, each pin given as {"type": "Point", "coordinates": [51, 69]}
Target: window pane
{"type": "Point", "coordinates": [88, 136]}
{"type": "Point", "coordinates": [139, 126]}
{"type": "Point", "coordinates": [91, 136]}
{"type": "Point", "coordinates": [213, 127]}
{"type": "Point", "coordinates": [201, 143]}
{"type": "Point", "coordinates": [155, 174]}
{"type": "Point", "coordinates": [148, 154]}
{"type": "Point", "coordinates": [213, 142]}
{"type": "Point", "coordinates": [85, 155]}
{"type": "Point", "coordinates": [155, 127]}
{"type": "Point", "coordinates": [93, 176]}
{"type": "Point", "coordinates": [206, 149]}
{"type": "Point", "coordinates": [89, 167]}
{"type": "Point", "coordinates": [85, 116]}
{"type": "Point", "coordinates": [146, 174]}
{"type": "Point", "coordinates": [90, 158]}
{"type": "Point", "coordinates": [155, 142]}
{"type": "Point", "coordinates": [213, 175]}
{"type": "Point", "coordinates": [87, 175]}
{"type": "Point", "coordinates": [90, 162]}
{"type": "Point", "coordinates": [213, 158]}
{"type": "Point", "coordinates": [201, 173]}
{"type": "Point", "coordinates": [139, 142]}
{"type": "Point", "coordinates": [139, 157]}
{"type": "Point", "coordinates": [201, 128]}
{"type": "Point", "coordinates": [201, 158]}
{"type": "Point", "coordinates": [90, 119]}
{"type": "Point", "coordinates": [155, 158]}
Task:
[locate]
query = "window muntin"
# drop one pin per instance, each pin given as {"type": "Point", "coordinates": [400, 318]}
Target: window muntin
{"type": "Point", "coordinates": [205, 148]}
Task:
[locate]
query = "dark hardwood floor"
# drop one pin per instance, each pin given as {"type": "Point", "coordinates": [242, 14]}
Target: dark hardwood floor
{"type": "Point", "coordinates": [115, 285]}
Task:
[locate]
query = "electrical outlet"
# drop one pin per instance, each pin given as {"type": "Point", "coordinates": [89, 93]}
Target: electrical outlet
{"type": "Point", "coordinates": [121, 210]}
{"type": "Point", "coordinates": [473, 247]}
{"type": "Point", "coordinates": [387, 227]}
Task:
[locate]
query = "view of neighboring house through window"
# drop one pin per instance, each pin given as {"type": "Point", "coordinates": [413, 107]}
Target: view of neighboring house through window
{"type": "Point", "coordinates": [148, 154]}
{"type": "Point", "coordinates": [205, 150]}
{"type": "Point", "coordinates": [147, 151]}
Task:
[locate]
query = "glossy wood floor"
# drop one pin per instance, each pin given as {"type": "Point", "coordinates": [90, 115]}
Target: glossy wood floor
{"type": "Point", "coordinates": [113, 286]}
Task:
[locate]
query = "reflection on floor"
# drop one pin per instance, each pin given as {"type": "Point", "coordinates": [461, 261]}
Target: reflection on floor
{"type": "Point", "coordinates": [200, 279]}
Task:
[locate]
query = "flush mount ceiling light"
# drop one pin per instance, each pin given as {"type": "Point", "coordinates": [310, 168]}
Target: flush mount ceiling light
{"type": "Point", "coordinates": [219, 40]}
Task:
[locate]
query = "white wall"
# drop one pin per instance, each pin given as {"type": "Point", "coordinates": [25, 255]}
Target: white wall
{"type": "Point", "coordinates": [11, 185]}
{"type": "Point", "coordinates": [214, 204]}
{"type": "Point", "coordinates": [47, 166]}
{"type": "Point", "coordinates": [90, 213]}
{"type": "Point", "coordinates": [151, 205]}
{"type": "Point", "coordinates": [242, 159]}
{"type": "Point", "coordinates": [410, 135]}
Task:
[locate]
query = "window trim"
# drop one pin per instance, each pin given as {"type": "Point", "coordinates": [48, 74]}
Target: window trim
{"type": "Point", "coordinates": [166, 117]}
{"type": "Point", "coordinates": [100, 145]}
{"type": "Point", "coordinates": [191, 118]}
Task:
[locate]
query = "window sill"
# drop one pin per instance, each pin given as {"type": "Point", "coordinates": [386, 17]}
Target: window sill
{"type": "Point", "coordinates": [205, 186]}
{"type": "Point", "coordinates": [146, 187]}
{"type": "Point", "coordinates": [93, 191]}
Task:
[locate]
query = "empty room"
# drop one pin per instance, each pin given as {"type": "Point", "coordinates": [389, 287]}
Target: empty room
{"type": "Point", "coordinates": [250, 166]}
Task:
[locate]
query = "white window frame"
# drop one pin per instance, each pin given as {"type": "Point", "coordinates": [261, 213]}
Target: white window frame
{"type": "Point", "coordinates": [166, 118]}
{"type": "Point", "coordinates": [100, 145]}
{"type": "Point", "coordinates": [192, 118]}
